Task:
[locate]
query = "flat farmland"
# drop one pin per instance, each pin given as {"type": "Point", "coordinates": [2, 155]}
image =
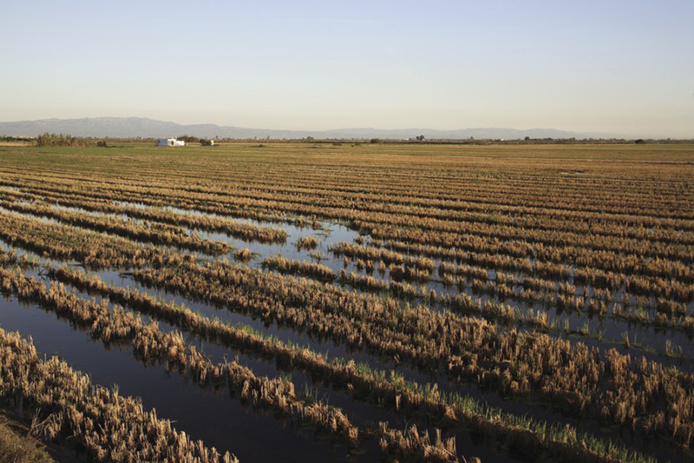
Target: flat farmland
{"type": "Point", "coordinates": [350, 302]}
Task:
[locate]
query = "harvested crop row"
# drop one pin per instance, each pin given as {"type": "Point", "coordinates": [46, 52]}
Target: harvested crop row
{"type": "Point", "coordinates": [148, 233]}
{"type": "Point", "coordinates": [364, 383]}
{"type": "Point", "coordinates": [657, 268]}
{"type": "Point", "coordinates": [152, 345]}
{"type": "Point", "coordinates": [630, 226]}
{"type": "Point", "coordinates": [303, 268]}
{"type": "Point", "coordinates": [364, 217]}
{"type": "Point", "coordinates": [116, 326]}
{"type": "Point", "coordinates": [469, 349]}
{"type": "Point", "coordinates": [11, 258]}
{"type": "Point", "coordinates": [89, 247]}
{"type": "Point", "coordinates": [477, 264]}
{"type": "Point", "coordinates": [107, 426]}
{"type": "Point", "coordinates": [485, 195]}
{"type": "Point", "coordinates": [632, 258]}
{"type": "Point", "coordinates": [242, 231]}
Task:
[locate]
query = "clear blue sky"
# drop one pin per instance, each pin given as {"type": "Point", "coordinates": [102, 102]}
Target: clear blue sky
{"type": "Point", "coordinates": [611, 66]}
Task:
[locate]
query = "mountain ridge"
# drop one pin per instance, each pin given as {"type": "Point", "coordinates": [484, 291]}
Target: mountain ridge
{"type": "Point", "coordinates": [126, 127]}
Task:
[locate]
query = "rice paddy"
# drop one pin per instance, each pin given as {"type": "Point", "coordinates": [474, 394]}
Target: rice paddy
{"type": "Point", "coordinates": [350, 302]}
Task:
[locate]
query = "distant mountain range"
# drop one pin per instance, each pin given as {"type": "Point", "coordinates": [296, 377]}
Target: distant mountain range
{"type": "Point", "coordinates": [125, 127]}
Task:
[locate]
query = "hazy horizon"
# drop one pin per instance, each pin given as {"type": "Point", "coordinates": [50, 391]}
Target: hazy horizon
{"type": "Point", "coordinates": [618, 67]}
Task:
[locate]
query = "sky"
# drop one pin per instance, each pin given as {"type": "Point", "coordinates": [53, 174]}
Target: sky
{"type": "Point", "coordinates": [609, 66]}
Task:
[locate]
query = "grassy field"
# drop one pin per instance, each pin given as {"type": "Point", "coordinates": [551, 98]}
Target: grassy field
{"type": "Point", "coordinates": [352, 302]}
{"type": "Point", "coordinates": [17, 446]}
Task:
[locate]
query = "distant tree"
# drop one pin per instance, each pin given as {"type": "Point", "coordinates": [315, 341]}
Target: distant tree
{"type": "Point", "coordinates": [51, 139]}
{"type": "Point", "coordinates": [189, 139]}
{"type": "Point", "coordinates": [375, 140]}
{"type": "Point", "coordinates": [640, 141]}
{"type": "Point", "coordinates": [420, 138]}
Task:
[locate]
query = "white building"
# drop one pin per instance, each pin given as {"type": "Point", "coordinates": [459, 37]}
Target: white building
{"type": "Point", "coordinates": [170, 142]}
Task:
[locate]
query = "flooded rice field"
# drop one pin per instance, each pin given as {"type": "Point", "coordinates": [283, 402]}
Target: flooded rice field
{"type": "Point", "coordinates": [413, 326]}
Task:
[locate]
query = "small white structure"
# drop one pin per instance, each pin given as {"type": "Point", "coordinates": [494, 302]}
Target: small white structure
{"type": "Point", "coordinates": [170, 142]}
